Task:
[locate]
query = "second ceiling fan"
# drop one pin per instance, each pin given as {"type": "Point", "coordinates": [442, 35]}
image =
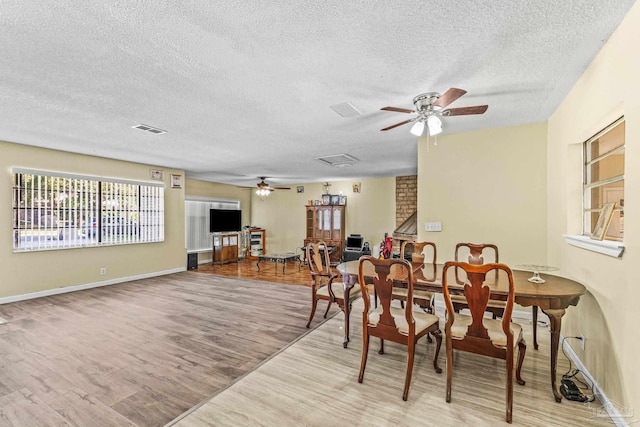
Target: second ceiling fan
{"type": "Point", "coordinates": [264, 189]}
{"type": "Point", "coordinates": [430, 107]}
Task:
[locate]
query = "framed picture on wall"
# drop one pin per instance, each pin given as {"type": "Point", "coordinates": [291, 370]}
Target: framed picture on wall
{"type": "Point", "coordinates": [326, 199]}
{"type": "Point", "coordinates": [343, 200]}
{"type": "Point", "coordinates": [176, 181]}
{"type": "Point", "coordinates": [335, 199]}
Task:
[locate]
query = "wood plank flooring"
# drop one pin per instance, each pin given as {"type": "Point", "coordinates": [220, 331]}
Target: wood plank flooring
{"type": "Point", "coordinates": [314, 383]}
{"type": "Point", "coordinates": [140, 353]}
{"type": "Point", "coordinates": [206, 347]}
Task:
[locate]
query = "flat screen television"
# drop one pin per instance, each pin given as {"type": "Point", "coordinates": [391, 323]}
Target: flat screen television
{"type": "Point", "coordinates": [223, 220]}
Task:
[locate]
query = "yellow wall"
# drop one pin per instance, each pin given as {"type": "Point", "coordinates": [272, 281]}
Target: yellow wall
{"type": "Point", "coordinates": [370, 212]}
{"type": "Point", "coordinates": [608, 316]}
{"type": "Point", "coordinates": [486, 187]}
{"type": "Point", "coordinates": [24, 273]}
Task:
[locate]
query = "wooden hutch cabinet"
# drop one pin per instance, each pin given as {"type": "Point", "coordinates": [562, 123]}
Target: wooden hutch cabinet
{"type": "Point", "coordinates": [326, 222]}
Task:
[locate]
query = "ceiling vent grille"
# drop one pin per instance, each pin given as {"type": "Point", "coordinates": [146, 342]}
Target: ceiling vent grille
{"type": "Point", "coordinates": [338, 160]}
{"type": "Point", "coordinates": [345, 109]}
{"type": "Point", "coordinates": [150, 129]}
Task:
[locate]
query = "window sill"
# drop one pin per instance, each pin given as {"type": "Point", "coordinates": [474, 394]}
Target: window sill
{"type": "Point", "coordinates": [605, 247]}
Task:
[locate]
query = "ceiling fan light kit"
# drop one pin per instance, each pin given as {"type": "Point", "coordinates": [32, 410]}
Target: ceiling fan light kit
{"type": "Point", "coordinates": [429, 107]}
{"type": "Point", "coordinates": [265, 189]}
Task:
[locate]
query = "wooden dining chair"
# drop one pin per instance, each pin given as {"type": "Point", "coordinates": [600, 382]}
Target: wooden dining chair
{"type": "Point", "coordinates": [400, 325]}
{"type": "Point", "coordinates": [416, 253]}
{"type": "Point", "coordinates": [496, 308]}
{"type": "Point", "coordinates": [476, 255]}
{"type": "Point", "coordinates": [477, 334]}
{"type": "Point", "coordinates": [325, 286]}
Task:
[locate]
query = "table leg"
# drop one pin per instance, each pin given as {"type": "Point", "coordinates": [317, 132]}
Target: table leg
{"type": "Point", "coordinates": [284, 262]}
{"type": "Point", "coordinates": [534, 313]}
{"type": "Point", "coordinates": [555, 319]}
{"type": "Point", "coordinates": [347, 310]}
{"type": "Point", "coordinates": [258, 264]}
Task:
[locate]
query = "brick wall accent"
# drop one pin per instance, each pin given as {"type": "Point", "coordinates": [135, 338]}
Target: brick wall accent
{"type": "Point", "coordinates": [406, 202]}
{"type": "Point", "coordinates": [406, 197]}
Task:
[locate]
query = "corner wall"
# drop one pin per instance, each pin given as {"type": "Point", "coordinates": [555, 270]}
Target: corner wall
{"type": "Point", "coordinates": [486, 187]}
{"type": "Point", "coordinates": [37, 271]}
{"type": "Point", "coordinates": [608, 315]}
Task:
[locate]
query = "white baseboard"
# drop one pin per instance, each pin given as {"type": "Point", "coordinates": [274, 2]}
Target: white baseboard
{"type": "Point", "coordinates": [611, 408]}
{"type": "Point", "coordinates": [56, 291]}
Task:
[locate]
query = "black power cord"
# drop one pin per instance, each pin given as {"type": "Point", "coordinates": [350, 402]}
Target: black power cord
{"type": "Point", "coordinates": [571, 374]}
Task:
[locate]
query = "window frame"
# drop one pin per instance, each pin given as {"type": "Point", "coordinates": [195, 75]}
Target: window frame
{"type": "Point", "coordinates": [588, 185]}
{"type": "Point", "coordinates": [76, 213]}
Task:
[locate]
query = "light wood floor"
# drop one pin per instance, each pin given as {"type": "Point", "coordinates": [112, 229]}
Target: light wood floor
{"type": "Point", "coordinates": [139, 353]}
{"type": "Point", "coordinates": [143, 353]}
{"type": "Point", "coordinates": [313, 382]}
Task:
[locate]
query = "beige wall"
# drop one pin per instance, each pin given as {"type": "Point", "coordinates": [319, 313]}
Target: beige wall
{"type": "Point", "coordinates": [486, 187]}
{"type": "Point", "coordinates": [608, 316]}
{"type": "Point", "coordinates": [282, 214]}
{"type": "Point", "coordinates": [24, 273]}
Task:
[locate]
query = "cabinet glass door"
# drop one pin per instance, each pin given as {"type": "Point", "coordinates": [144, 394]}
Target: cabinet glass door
{"type": "Point", "coordinates": [309, 223]}
{"type": "Point", "coordinates": [326, 215]}
{"type": "Point", "coordinates": [335, 230]}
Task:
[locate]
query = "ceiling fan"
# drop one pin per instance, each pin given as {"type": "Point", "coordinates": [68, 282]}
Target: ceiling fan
{"type": "Point", "coordinates": [264, 189]}
{"type": "Point", "coordinates": [430, 107]}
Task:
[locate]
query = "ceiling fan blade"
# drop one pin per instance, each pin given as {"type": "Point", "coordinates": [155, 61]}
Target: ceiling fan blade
{"type": "Point", "coordinates": [397, 110]}
{"type": "Point", "coordinates": [463, 111]}
{"type": "Point", "coordinates": [398, 124]}
{"type": "Point", "coordinates": [281, 188]}
{"type": "Point", "coordinates": [449, 96]}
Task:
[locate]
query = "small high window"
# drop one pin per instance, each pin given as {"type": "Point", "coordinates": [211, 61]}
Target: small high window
{"type": "Point", "coordinates": [604, 181]}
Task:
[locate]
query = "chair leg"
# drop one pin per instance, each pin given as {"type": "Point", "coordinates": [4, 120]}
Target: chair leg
{"type": "Point", "coordinates": [327, 310]}
{"type": "Point", "coordinates": [449, 367]}
{"type": "Point", "coordinates": [381, 351]}
{"type": "Point", "coordinates": [438, 335]}
{"type": "Point", "coordinates": [314, 304]}
{"type": "Point", "coordinates": [411, 350]}
{"type": "Point", "coordinates": [509, 386]}
{"type": "Point", "coordinates": [522, 349]}
{"type": "Point", "coordinates": [365, 353]}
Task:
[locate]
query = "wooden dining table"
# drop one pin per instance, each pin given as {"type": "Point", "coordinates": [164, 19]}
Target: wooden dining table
{"type": "Point", "coordinates": [553, 297]}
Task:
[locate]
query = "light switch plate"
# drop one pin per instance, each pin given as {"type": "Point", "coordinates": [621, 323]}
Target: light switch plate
{"type": "Point", "coordinates": [433, 226]}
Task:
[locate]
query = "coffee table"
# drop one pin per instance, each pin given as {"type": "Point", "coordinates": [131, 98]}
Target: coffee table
{"type": "Point", "coordinates": [282, 257]}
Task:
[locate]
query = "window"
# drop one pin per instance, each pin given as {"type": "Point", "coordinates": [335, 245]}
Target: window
{"type": "Point", "coordinates": [604, 179]}
{"type": "Point", "coordinates": [198, 238]}
{"type": "Point", "coordinates": [52, 210]}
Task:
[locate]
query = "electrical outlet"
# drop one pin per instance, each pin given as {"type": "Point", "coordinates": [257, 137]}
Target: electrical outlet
{"type": "Point", "coordinates": [582, 340]}
{"type": "Point", "coordinates": [103, 271]}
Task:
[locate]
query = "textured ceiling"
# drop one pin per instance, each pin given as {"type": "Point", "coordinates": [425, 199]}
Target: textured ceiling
{"type": "Point", "coordinates": [244, 88]}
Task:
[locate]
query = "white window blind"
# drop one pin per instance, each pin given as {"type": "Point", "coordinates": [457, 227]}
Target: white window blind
{"type": "Point", "coordinates": [197, 235]}
{"type": "Point", "coordinates": [53, 210]}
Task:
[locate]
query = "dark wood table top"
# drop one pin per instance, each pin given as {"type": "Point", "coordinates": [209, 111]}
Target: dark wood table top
{"type": "Point", "coordinates": [556, 292]}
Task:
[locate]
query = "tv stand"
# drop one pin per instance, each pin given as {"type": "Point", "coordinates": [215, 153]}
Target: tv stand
{"type": "Point", "coordinates": [225, 248]}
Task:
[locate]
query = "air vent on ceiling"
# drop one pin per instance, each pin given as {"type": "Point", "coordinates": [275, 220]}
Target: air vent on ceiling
{"type": "Point", "coordinates": [345, 109]}
{"type": "Point", "coordinates": [148, 128]}
{"type": "Point", "coordinates": [338, 160]}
